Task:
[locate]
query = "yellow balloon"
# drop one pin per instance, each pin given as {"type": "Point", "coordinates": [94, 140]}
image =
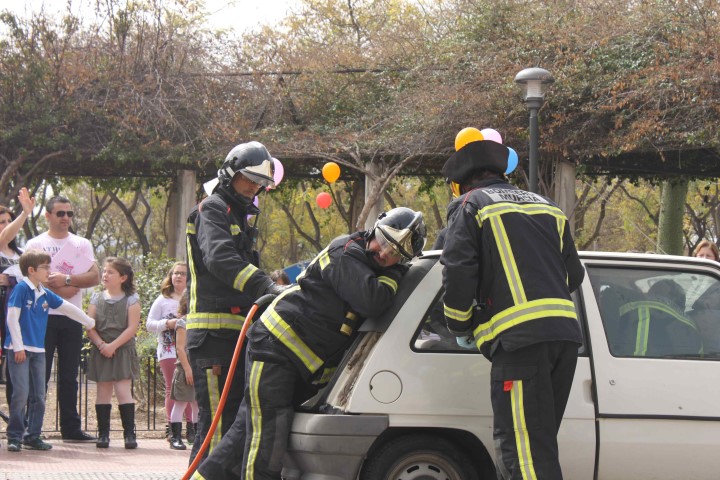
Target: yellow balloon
{"type": "Point", "coordinates": [467, 135]}
{"type": "Point", "coordinates": [331, 172]}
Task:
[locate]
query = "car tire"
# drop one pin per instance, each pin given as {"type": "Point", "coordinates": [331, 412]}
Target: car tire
{"type": "Point", "coordinates": [418, 457]}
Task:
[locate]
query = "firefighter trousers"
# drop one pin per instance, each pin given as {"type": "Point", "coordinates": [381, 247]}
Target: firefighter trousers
{"type": "Point", "coordinates": [529, 390]}
{"type": "Point", "coordinates": [210, 362]}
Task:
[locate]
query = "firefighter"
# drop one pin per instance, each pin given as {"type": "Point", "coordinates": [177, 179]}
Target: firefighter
{"type": "Point", "coordinates": [224, 280]}
{"type": "Point", "coordinates": [302, 336]}
{"type": "Point", "coordinates": [510, 265]}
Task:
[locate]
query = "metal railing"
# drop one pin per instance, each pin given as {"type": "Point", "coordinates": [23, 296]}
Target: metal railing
{"type": "Point", "coordinates": [145, 392]}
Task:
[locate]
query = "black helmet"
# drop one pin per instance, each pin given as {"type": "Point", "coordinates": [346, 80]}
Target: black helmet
{"type": "Point", "coordinates": [252, 160]}
{"type": "Point", "coordinates": [401, 230]}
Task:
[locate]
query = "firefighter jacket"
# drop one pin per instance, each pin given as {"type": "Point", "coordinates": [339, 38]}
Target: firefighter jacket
{"type": "Point", "coordinates": [224, 279]}
{"type": "Point", "coordinates": [510, 266]}
{"type": "Point", "coordinates": [314, 320]}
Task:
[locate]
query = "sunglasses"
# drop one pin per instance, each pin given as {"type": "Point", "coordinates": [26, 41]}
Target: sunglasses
{"type": "Point", "coordinates": [62, 213]}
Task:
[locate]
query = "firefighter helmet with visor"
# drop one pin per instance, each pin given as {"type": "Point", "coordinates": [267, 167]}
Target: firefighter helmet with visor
{"type": "Point", "coordinates": [250, 159]}
{"type": "Point", "coordinates": [400, 232]}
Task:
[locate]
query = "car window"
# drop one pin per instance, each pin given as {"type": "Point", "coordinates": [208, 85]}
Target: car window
{"type": "Point", "coordinates": [658, 313]}
{"type": "Point", "coordinates": [432, 333]}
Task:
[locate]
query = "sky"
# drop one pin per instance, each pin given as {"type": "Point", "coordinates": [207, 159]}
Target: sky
{"type": "Point", "coordinates": [238, 14]}
{"type": "Point", "coordinates": [245, 13]}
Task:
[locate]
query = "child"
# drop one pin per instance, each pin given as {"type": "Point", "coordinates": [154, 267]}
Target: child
{"type": "Point", "coordinates": [182, 390]}
{"type": "Point", "coordinates": [161, 321]}
{"type": "Point", "coordinates": [113, 362]}
{"type": "Point", "coordinates": [27, 320]}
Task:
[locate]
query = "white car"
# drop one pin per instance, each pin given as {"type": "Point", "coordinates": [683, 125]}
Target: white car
{"type": "Point", "coordinates": [407, 403]}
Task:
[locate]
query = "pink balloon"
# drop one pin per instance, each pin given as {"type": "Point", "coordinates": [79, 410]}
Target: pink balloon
{"type": "Point", "coordinates": [279, 171]}
{"type": "Point", "coordinates": [278, 175]}
{"type": "Point", "coordinates": [490, 134]}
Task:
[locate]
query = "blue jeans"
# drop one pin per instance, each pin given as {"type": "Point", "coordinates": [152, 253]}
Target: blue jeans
{"type": "Point", "coordinates": [28, 380]}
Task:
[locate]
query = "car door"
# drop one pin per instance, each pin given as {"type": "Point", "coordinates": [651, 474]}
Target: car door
{"type": "Point", "coordinates": [654, 327]}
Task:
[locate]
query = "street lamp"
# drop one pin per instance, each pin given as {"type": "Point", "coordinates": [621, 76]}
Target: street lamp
{"type": "Point", "coordinates": [534, 82]}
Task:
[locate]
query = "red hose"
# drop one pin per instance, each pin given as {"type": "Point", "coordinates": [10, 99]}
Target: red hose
{"type": "Point", "coordinates": [223, 397]}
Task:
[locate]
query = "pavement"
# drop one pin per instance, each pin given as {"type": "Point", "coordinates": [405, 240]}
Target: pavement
{"type": "Point", "coordinates": [152, 460]}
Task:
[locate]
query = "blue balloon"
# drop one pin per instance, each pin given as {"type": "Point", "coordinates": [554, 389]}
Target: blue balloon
{"type": "Point", "coordinates": [512, 161]}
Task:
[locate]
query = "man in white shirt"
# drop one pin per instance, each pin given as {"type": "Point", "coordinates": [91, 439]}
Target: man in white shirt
{"type": "Point", "coordinates": [73, 267]}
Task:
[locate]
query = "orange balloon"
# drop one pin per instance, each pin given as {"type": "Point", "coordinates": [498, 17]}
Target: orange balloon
{"type": "Point", "coordinates": [467, 135]}
{"type": "Point", "coordinates": [331, 172]}
{"type": "Point", "coordinates": [323, 200]}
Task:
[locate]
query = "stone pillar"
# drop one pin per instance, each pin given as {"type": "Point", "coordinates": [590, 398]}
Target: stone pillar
{"type": "Point", "coordinates": [565, 190]}
{"type": "Point", "coordinates": [182, 200]}
{"type": "Point", "coordinates": [369, 184]}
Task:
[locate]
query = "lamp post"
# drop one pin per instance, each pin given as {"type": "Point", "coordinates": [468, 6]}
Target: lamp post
{"type": "Point", "coordinates": [534, 82]}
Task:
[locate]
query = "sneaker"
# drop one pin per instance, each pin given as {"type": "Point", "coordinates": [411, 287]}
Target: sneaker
{"type": "Point", "coordinates": [78, 437]}
{"type": "Point", "coordinates": [13, 446]}
{"type": "Point", "coordinates": [36, 444]}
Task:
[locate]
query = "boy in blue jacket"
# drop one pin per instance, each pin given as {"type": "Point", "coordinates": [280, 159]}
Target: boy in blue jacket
{"type": "Point", "coordinates": [27, 320]}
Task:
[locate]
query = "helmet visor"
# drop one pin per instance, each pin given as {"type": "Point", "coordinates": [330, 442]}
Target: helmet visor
{"type": "Point", "coordinates": [261, 174]}
{"type": "Point", "coordinates": [394, 242]}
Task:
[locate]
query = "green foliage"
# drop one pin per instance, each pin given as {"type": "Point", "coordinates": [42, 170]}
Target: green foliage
{"type": "Point", "coordinates": [149, 274]}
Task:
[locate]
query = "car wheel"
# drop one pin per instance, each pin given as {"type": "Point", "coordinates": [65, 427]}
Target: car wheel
{"type": "Point", "coordinates": [418, 457]}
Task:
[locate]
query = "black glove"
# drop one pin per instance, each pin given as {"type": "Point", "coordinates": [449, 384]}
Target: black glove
{"type": "Point", "coordinates": [275, 289]}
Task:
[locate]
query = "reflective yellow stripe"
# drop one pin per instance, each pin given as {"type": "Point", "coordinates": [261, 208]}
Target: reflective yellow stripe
{"type": "Point", "coordinates": [389, 282]}
{"type": "Point", "coordinates": [190, 228]}
{"type": "Point", "coordinates": [244, 276]}
{"type": "Point", "coordinates": [644, 308]}
{"type": "Point", "coordinates": [197, 476]}
{"type": "Point", "coordinates": [657, 306]}
{"type": "Point", "coordinates": [214, 321]}
{"type": "Point", "coordinates": [643, 331]}
{"type": "Point", "coordinates": [324, 259]}
{"type": "Point", "coordinates": [326, 376]}
{"type": "Point", "coordinates": [458, 315]}
{"type": "Point", "coordinates": [284, 332]}
{"type": "Point", "coordinates": [522, 439]}
{"type": "Point", "coordinates": [255, 418]}
{"type": "Point", "coordinates": [214, 398]}
{"type": "Point", "coordinates": [508, 260]}
{"type": "Point", "coordinates": [193, 276]}
{"type": "Point", "coordinates": [561, 230]}
{"type": "Point", "coordinates": [314, 260]}
{"type": "Point", "coordinates": [532, 310]}
{"type": "Point", "coordinates": [497, 209]}
{"type": "Point", "coordinates": [235, 229]}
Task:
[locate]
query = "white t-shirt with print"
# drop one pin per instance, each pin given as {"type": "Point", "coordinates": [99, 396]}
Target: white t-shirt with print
{"type": "Point", "coordinates": [82, 253]}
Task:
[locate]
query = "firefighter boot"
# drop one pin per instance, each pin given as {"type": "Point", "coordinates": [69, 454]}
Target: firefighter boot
{"type": "Point", "coordinates": [190, 429]}
{"type": "Point", "coordinates": [102, 411]}
{"type": "Point", "coordinates": [127, 415]}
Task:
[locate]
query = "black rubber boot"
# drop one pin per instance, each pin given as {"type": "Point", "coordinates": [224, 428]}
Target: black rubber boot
{"type": "Point", "coordinates": [190, 431]}
{"type": "Point", "coordinates": [176, 442]}
{"type": "Point", "coordinates": [102, 411]}
{"type": "Point", "coordinates": [127, 415]}
{"type": "Point", "coordinates": [168, 434]}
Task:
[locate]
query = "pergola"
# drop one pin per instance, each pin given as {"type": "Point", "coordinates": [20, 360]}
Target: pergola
{"type": "Point", "coordinates": [694, 163]}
